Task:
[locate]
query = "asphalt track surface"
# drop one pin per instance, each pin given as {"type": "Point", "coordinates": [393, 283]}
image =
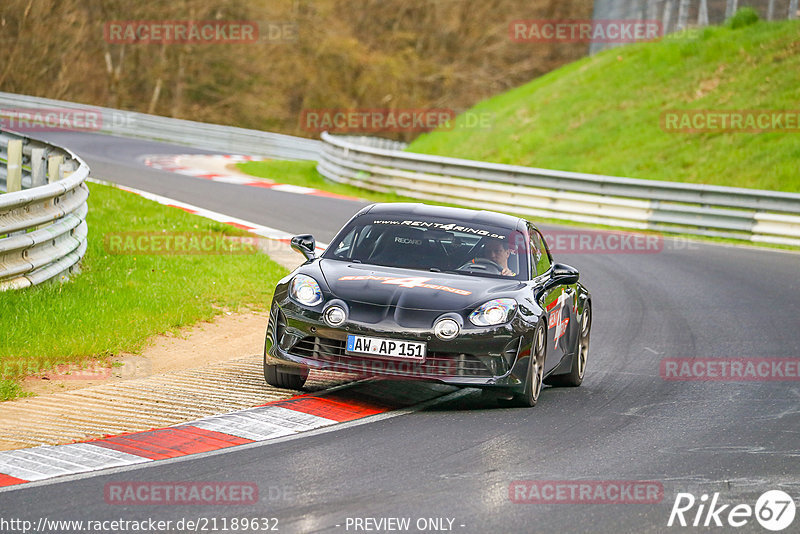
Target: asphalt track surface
{"type": "Point", "coordinates": [457, 459]}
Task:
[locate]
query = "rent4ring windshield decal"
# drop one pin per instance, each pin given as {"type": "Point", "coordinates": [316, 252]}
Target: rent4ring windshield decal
{"type": "Point", "coordinates": [446, 227]}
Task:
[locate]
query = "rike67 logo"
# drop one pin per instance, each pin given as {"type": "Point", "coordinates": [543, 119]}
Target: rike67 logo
{"type": "Point", "coordinates": [774, 510]}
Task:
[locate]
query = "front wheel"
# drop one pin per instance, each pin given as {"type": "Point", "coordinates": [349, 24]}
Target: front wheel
{"type": "Point", "coordinates": [285, 376]}
{"type": "Point", "coordinates": [533, 380]}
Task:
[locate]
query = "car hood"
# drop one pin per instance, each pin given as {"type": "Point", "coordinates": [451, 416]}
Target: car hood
{"type": "Point", "coordinates": [411, 289]}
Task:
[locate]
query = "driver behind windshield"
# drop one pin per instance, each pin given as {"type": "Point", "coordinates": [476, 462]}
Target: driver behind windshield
{"type": "Point", "coordinates": [497, 251]}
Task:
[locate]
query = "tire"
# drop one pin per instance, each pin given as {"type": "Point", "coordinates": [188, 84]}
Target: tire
{"type": "Point", "coordinates": [533, 380]}
{"type": "Point", "coordinates": [575, 377]}
{"type": "Point", "coordinates": [285, 376]}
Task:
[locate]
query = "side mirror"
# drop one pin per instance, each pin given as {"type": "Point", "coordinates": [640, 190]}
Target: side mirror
{"type": "Point", "coordinates": [305, 245]}
{"type": "Point", "coordinates": [564, 274]}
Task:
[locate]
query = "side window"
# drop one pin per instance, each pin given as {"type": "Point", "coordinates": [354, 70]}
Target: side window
{"type": "Point", "coordinates": [344, 247]}
{"type": "Point", "coordinates": [363, 242]}
{"type": "Point", "coordinates": [540, 256]}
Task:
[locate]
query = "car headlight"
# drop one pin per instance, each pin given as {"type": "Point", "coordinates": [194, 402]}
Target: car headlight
{"type": "Point", "coordinates": [495, 311]}
{"type": "Point", "coordinates": [305, 290]}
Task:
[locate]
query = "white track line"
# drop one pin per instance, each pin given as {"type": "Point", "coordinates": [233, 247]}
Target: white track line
{"type": "Point", "coordinates": [255, 228]}
{"type": "Point", "coordinates": [213, 167]}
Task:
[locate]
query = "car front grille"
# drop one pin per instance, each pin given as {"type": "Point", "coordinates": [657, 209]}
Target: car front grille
{"type": "Point", "coordinates": [436, 364]}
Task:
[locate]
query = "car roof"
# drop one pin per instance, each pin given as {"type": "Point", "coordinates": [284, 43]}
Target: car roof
{"type": "Point", "coordinates": [428, 211]}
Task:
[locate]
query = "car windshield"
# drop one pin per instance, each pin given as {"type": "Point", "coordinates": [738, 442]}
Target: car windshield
{"type": "Point", "coordinates": [439, 245]}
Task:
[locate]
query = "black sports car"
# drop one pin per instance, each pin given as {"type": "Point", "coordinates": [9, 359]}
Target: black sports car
{"type": "Point", "coordinates": [464, 297]}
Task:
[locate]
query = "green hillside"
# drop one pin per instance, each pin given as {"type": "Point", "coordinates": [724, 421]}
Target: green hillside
{"type": "Point", "coordinates": [603, 114]}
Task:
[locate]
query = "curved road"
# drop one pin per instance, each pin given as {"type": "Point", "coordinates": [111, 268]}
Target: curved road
{"type": "Point", "coordinates": [456, 459]}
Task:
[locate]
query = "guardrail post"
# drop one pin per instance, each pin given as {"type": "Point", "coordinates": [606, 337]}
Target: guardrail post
{"type": "Point", "coordinates": [683, 14]}
{"type": "Point", "coordinates": [14, 177]}
{"type": "Point", "coordinates": [666, 19]}
{"type": "Point", "coordinates": [54, 168]}
{"type": "Point", "coordinates": [652, 11]}
{"type": "Point", "coordinates": [730, 8]}
{"type": "Point", "coordinates": [65, 170]}
{"type": "Point", "coordinates": [702, 13]}
{"type": "Point", "coordinates": [38, 174]}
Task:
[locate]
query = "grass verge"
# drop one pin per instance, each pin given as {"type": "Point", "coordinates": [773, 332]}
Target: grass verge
{"type": "Point", "coordinates": [119, 301]}
{"type": "Point", "coordinates": [603, 114]}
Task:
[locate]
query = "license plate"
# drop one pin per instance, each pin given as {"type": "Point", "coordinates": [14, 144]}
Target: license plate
{"type": "Point", "coordinates": [390, 348]}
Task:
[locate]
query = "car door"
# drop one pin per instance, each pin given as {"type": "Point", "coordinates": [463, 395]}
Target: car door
{"type": "Point", "coordinates": [558, 301]}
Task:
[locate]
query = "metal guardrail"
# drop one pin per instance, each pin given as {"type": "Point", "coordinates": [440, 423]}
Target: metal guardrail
{"type": "Point", "coordinates": [381, 165]}
{"type": "Point", "coordinates": [678, 17]}
{"type": "Point", "coordinates": [213, 137]}
{"type": "Point", "coordinates": [42, 214]}
{"type": "Point", "coordinates": [748, 214]}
